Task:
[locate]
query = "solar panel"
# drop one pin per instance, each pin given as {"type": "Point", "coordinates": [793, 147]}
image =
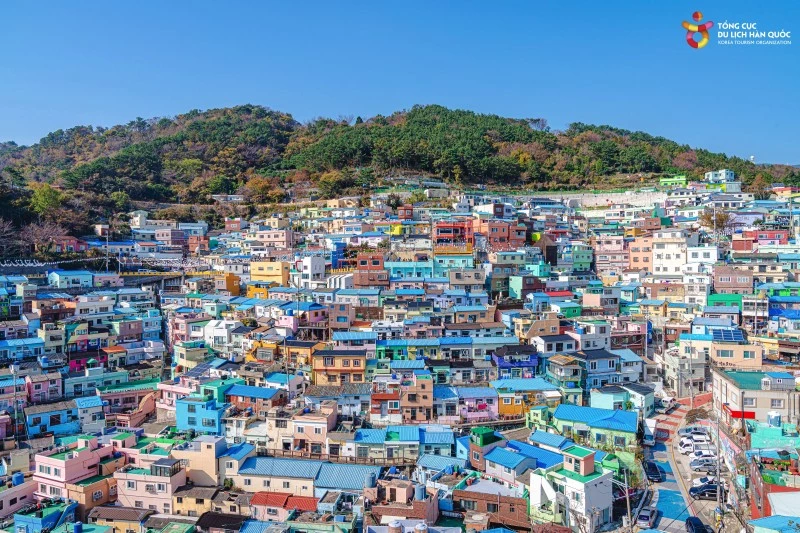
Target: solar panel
{"type": "Point", "coordinates": [727, 335]}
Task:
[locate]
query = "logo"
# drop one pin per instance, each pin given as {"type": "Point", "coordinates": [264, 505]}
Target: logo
{"type": "Point", "coordinates": [702, 29]}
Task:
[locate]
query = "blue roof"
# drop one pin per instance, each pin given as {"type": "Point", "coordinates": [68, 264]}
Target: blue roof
{"type": "Point", "coordinates": [780, 375]}
{"type": "Point", "coordinates": [436, 437]}
{"type": "Point", "coordinates": [523, 384]}
{"type": "Point", "coordinates": [544, 458]}
{"type": "Point", "coordinates": [251, 392]}
{"type": "Point", "coordinates": [652, 302]}
{"type": "Point", "coordinates": [467, 308]}
{"type": "Point", "coordinates": [279, 467]}
{"type": "Point", "coordinates": [239, 452]}
{"type": "Point", "coordinates": [444, 392]}
{"type": "Point", "coordinates": [613, 419]}
{"type": "Point", "coordinates": [413, 364]}
{"type": "Point", "coordinates": [439, 462]}
{"type": "Point", "coordinates": [504, 457]}
{"type": "Point", "coordinates": [549, 439]}
{"type": "Point", "coordinates": [404, 433]}
{"type": "Point", "coordinates": [277, 377]}
{"type": "Point", "coordinates": [255, 526]}
{"type": "Point", "coordinates": [90, 401]}
{"type": "Point", "coordinates": [476, 392]}
{"type": "Point", "coordinates": [370, 436]}
{"type": "Point", "coordinates": [354, 336]}
{"type": "Point", "coordinates": [782, 523]}
{"type": "Point", "coordinates": [341, 476]}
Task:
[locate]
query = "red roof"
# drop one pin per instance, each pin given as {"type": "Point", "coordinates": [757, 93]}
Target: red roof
{"type": "Point", "coordinates": [302, 503]}
{"type": "Point", "coordinates": [271, 499]}
{"type": "Point", "coordinates": [559, 293]}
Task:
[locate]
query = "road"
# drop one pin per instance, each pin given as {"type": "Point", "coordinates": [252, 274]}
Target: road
{"type": "Point", "coordinates": [671, 495]}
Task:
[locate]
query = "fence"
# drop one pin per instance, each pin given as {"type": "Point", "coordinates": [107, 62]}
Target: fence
{"type": "Point", "coordinates": [296, 454]}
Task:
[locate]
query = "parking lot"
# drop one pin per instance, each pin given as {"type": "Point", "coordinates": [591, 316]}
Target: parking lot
{"type": "Point", "coordinates": [671, 494]}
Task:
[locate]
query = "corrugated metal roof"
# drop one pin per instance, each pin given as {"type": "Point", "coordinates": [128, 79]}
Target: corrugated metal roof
{"type": "Point", "coordinates": [504, 457]}
{"type": "Point", "coordinates": [354, 335]}
{"type": "Point", "coordinates": [523, 384]}
{"type": "Point", "coordinates": [402, 433]}
{"type": "Point", "coordinates": [341, 476]}
{"type": "Point", "coordinates": [444, 392]}
{"type": "Point", "coordinates": [239, 451]}
{"type": "Point", "coordinates": [614, 419]}
{"type": "Point", "coordinates": [370, 436]}
{"type": "Point", "coordinates": [278, 467]}
{"type": "Point", "coordinates": [250, 391]}
{"type": "Point", "coordinates": [548, 439]}
{"type": "Point", "coordinates": [436, 437]}
{"type": "Point", "coordinates": [439, 462]}
{"type": "Point", "coordinates": [476, 392]}
{"type": "Point", "coordinates": [544, 458]}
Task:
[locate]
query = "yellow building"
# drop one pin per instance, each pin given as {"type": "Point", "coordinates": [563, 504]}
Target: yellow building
{"type": "Point", "coordinates": [300, 352]}
{"type": "Point", "coordinates": [259, 289]}
{"type": "Point", "coordinates": [92, 492]}
{"type": "Point", "coordinates": [191, 500]}
{"type": "Point", "coordinates": [336, 367]}
{"type": "Point", "coordinates": [228, 282]}
{"type": "Point", "coordinates": [271, 271]}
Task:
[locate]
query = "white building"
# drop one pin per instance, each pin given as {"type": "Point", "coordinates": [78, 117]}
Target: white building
{"type": "Point", "coordinates": [720, 176]}
{"type": "Point", "coordinates": [670, 252]}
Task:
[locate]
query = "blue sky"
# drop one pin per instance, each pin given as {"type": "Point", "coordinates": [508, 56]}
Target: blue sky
{"type": "Point", "coordinates": [619, 63]}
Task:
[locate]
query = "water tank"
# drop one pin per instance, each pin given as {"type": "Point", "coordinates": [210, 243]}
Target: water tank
{"type": "Point", "coordinates": [18, 479]}
{"type": "Point", "coordinates": [77, 527]}
{"type": "Point", "coordinates": [370, 480]}
{"type": "Point", "coordinates": [395, 526]}
{"type": "Point", "coordinates": [290, 312]}
{"type": "Point", "coordinates": [45, 361]}
{"type": "Point", "coordinates": [774, 419]}
{"type": "Point", "coordinates": [306, 410]}
{"type": "Point", "coordinates": [419, 492]}
{"type": "Point", "coordinates": [448, 470]}
{"type": "Point", "coordinates": [422, 527]}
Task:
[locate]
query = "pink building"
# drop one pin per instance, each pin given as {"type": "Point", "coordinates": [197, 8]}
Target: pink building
{"type": "Point", "coordinates": [54, 469]}
{"type": "Point", "coordinates": [150, 488]}
{"type": "Point", "coordinates": [169, 392]}
{"type": "Point", "coordinates": [282, 238]}
{"type": "Point", "coordinates": [44, 387]}
{"type": "Point", "coordinates": [188, 326]}
{"type": "Point", "coordinates": [610, 253]}
{"type": "Point", "coordinates": [8, 386]}
{"type": "Point", "coordinates": [311, 429]}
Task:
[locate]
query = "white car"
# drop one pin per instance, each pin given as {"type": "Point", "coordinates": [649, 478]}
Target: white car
{"type": "Point", "coordinates": [700, 481]}
{"type": "Point", "coordinates": [699, 454]}
{"type": "Point", "coordinates": [688, 430]}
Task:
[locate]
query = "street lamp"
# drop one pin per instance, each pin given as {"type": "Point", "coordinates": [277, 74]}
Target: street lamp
{"type": "Point", "coordinates": [14, 372]}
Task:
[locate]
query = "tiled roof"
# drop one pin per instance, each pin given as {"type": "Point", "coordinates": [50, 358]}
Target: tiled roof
{"type": "Point", "coordinates": [302, 503]}
{"type": "Point", "coordinates": [270, 499]}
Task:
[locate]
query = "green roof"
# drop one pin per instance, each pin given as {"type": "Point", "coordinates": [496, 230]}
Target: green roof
{"type": "Point", "coordinates": [578, 451]}
{"type": "Point", "coordinates": [122, 436]}
{"type": "Point", "coordinates": [577, 477]}
{"type": "Point", "coordinates": [746, 380]}
{"type": "Point", "coordinates": [63, 455]}
{"type": "Point", "coordinates": [144, 384]}
{"type": "Point", "coordinates": [91, 480]}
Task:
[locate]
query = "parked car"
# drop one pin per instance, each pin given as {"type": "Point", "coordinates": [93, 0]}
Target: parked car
{"type": "Point", "coordinates": [647, 517]}
{"type": "Point", "coordinates": [706, 492]}
{"type": "Point", "coordinates": [695, 525]}
{"type": "Point", "coordinates": [705, 480]}
{"type": "Point", "coordinates": [697, 438]}
{"type": "Point", "coordinates": [699, 454]}
{"type": "Point", "coordinates": [688, 430]}
{"type": "Point", "coordinates": [701, 464]}
{"type": "Point", "coordinates": [652, 472]}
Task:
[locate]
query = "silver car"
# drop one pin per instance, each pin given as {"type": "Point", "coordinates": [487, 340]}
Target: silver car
{"type": "Point", "coordinates": [647, 517]}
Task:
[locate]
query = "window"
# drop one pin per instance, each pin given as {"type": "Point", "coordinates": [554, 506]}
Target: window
{"type": "Point", "coordinates": [611, 364]}
{"type": "Point", "coordinates": [725, 353]}
{"type": "Point", "coordinates": [281, 424]}
{"type": "Point", "coordinates": [97, 495]}
{"type": "Point", "coordinates": [506, 401]}
{"type": "Point", "coordinates": [317, 431]}
{"type": "Point", "coordinates": [138, 504]}
{"type": "Point", "coordinates": [247, 482]}
{"type": "Point", "coordinates": [229, 465]}
{"type": "Point", "coordinates": [161, 487]}
{"type": "Point", "coordinates": [593, 365]}
{"type": "Point", "coordinates": [394, 405]}
{"type": "Point", "coordinates": [179, 499]}
{"type": "Point", "coordinates": [192, 421]}
{"type": "Point", "coordinates": [285, 484]}
{"type": "Point", "coordinates": [749, 354]}
{"type": "Point", "coordinates": [619, 442]}
{"type": "Point", "coordinates": [191, 408]}
{"type": "Point", "coordinates": [469, 505]}
{"type": "Point", "coordinates": [476, 456]}
{"type": "Point", "coordinates": [492, 507]}
{"type": "Point", "coordinates": [776, 404]}
{"type": "Point", "coordinates": [130, 485]}
{"type": "Point", "coordinates": [356, 362]}
{"type": "Point", "coordinates": [299, 429]}
{"type": "Point", "coordinates": [749, 402]}
{"type": "Point", "coordinates": [272, 511]}
{"type": "Point", "coordinates": [266, 482]}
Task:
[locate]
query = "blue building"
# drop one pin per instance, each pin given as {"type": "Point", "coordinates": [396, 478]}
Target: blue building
{"type": "Point", "coordinates": [203, 414]}
{"type": "Point", "coordinates": [60, 418]}
{"type": "Point", "coordinates": [50, 516]}
{"type": "Point", "coordinates": [65, 279]}
{"type": "Point", "coordinates": [17, 349]}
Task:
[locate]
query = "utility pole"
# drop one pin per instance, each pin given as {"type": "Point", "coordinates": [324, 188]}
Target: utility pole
{"type": "Point", "coordinates": [628, 501]}
{"type": "Point", "coordinates": [718, 478]}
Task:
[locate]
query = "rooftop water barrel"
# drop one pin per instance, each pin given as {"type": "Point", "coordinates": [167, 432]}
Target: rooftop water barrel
{"type": "Point", "coordinates": [45, 361]}
{"type": "Point", "coordinates": [774, 419]}
{"type": "Point", "coordinates": [395, 526]}
{"type": "Point", "coordinates": [448, 470]}
{"type": "Point", "coordinates": [77, 527]}
{"type": "Point", "coordinates": [419, 492]}
{"type": "Point", "coordinates": [17, 479]}
{"type": "Point", "coordinates": [370, 481]}
{"type": "Point", "coordinates": [422, 527]}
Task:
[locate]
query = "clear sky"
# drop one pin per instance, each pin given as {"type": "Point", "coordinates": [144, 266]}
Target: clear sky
{"type": "Point", "coordinates": [620, 63]}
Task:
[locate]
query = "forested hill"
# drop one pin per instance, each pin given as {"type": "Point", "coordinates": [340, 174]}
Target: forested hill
{"type": "Point", "coordinates": [263, 153]}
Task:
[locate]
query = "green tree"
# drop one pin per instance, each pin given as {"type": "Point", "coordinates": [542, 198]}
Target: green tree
{"type": "Point", "coordinates": [394, 201]}
{"type": "Point", "coordinates": [121, 200]}
{"type": "Point", "coordinates": [45, 199]}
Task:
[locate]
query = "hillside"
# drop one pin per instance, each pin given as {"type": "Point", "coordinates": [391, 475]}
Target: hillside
{"type": "Point", "coordinates": [263, 153]}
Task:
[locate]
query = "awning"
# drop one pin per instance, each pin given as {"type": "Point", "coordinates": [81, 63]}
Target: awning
{"type": "Point", "coordinates": [747, 415]}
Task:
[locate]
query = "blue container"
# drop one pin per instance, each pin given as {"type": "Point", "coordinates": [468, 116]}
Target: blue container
{"type": "Point", "coordinates": [77, 527]}
{"type": "Point", "coordinates": [17, 479]}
